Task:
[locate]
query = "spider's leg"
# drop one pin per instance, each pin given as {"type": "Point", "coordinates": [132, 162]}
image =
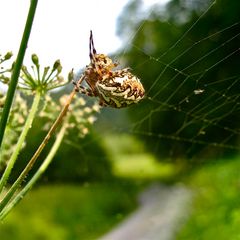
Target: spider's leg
{"type": "Point", "coordinates": [86, 91]}
{"type": "Point", "coordinates": [102, 103]}
{"type": "Point", "coordinates": [78, 82]}
{"type": "Point", "coordinates": [92, 50]}
{"type": "Point", "coordinates": [92, 53]}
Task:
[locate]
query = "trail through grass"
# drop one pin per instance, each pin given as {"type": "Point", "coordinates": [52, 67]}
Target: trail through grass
{"type": "Point", "coordinates": [69, 211]}
{"type": "Point", "coordinates": [216, 208]}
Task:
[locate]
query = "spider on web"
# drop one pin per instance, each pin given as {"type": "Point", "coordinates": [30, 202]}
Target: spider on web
{"type": "Point", "coordinates": [114, 88]}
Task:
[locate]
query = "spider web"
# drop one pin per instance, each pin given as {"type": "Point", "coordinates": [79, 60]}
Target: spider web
{"type": "Point", "coordinates": [197, 111]}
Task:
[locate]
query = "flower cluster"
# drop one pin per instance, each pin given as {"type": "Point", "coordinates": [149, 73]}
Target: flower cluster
{"type": "Point", "coordinates": [79, 117]}
{"type": "Point", "coordinates": [43, 81]}
{"type": "Point", "coordinates": [14, 127]}
{"type": "Point", "coordinates": [5, 71]}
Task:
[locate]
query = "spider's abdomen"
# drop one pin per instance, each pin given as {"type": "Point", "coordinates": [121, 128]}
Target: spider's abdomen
{"type": "Point", "coordinates": [120, 89]}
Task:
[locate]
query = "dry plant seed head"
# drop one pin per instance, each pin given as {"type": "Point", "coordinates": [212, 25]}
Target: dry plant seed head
{"type": "Point", "coordinates": [114, 88]}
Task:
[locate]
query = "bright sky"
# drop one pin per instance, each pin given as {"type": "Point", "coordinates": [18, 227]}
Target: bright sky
{"type": "Point", "coordinates": [61, 28]}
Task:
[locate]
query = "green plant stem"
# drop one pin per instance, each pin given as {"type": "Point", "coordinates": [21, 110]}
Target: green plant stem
{"type": "Point", "coordinates": [17, 68]}
{"type": "Point", "coordinates": [30, 164]}
{"type": "Point", "coordinates": [37, 175]}
{"type": "Point", "coordinates": [21, 140]}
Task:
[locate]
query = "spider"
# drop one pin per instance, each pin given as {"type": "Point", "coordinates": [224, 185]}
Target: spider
{"type": "Point", "coordinates": [114, 88]}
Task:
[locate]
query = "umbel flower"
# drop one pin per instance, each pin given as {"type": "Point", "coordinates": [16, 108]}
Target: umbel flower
{"type": "Point", "coordinates": [42, 80]}
{"type": "Point", "coordinates": [4, 72]}
{"type": "Point", "coordinates": [18, 115]}
{"type": "Point", "coordinates": [35, 78]}
{"type": "Point", "coordinates": [80, 117]}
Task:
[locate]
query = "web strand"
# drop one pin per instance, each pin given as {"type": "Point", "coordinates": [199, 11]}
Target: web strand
{"type": "Point", "coordinates": [197, 101]}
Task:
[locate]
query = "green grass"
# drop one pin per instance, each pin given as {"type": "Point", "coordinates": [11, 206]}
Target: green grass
{"type": "Point", "coordinates": [69, 212]}
{"type": "Point", "coordinates": [141, 166]}
{"type": "Point", "coordinates": [72, 212]}
{"type": "Point", "coordinates": [131, 160]}
{"type": "Point", "coordinates": [216, 206]}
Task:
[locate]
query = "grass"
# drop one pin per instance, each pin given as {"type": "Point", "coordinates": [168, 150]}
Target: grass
{"type": "Point", "coordinates": [141, 166]}
{"type": "Point", "coordinates": [69, 212]}
{"type": "Point", "coordinates": [131, 160]}
{"type": "Point", "coordinates": [216, 206]}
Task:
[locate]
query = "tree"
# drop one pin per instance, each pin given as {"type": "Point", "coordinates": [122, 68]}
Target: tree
{"type": "Point", "coordinates": [187, 57]}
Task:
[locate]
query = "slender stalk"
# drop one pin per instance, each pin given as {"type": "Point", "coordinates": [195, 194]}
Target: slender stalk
{"type": "Point", "coordinates": [30, 164]}
{"type": "Point", "coordinates": [17, 68]}
{"type": "Point", "coordinates": [37, 175]}
{"type": "Point", "coordinates": [21, 139]}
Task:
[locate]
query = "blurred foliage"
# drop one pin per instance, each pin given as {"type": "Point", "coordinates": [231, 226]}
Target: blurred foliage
{"type": "Point", "coordinates": [131, 160]}
{"type": "Point", "coordinates": [14, 127]}
{"type": "Point", "coordinates": [32, 79]}
{"type": "Point", "coordinates": [70, 211]}
{"type": "Point", "coordinates": [162, 52]}
{"type": "Point", "coordinates": [80, 158]}
{"type": "Point", "coordinates": [216, 206]}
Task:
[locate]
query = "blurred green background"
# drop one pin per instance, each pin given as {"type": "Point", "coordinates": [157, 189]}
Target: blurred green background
{"type": "Point", "coordinates": [174, 135]}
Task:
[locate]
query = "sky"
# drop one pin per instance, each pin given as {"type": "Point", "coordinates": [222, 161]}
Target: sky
{"type": "Point", "coordinates": [61, 29]}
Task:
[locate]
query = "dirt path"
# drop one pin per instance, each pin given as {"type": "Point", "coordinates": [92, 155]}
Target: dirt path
{"type": "Point", "coordinates": [161, 213]}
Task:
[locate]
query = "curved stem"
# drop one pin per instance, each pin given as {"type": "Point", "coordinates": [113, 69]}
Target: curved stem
{"type": "Point", "coordinates": [21, 140]}
{"type": "Point", "coordinates": [30, 164]}
{"type": "Point", "coordinates": [17, 68]}
{"type": "Point", "coordinates": [37, 175]}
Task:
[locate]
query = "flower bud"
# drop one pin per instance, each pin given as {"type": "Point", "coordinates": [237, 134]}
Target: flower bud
{"type": "Point", "coordinates": [24, 68]}
{"type": "Point", "coordinates": [46, 69]}
{"type": "Point", "coordinates": [5, 79]}
{"type": "Point", "coordinates": [57, 65]}
{"type": "Point", "coordinates": [8, 55]}
{"type": "Point", "coordinates": [70, 75]}
{"type": "Point", "coordinates": [35, 59]}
